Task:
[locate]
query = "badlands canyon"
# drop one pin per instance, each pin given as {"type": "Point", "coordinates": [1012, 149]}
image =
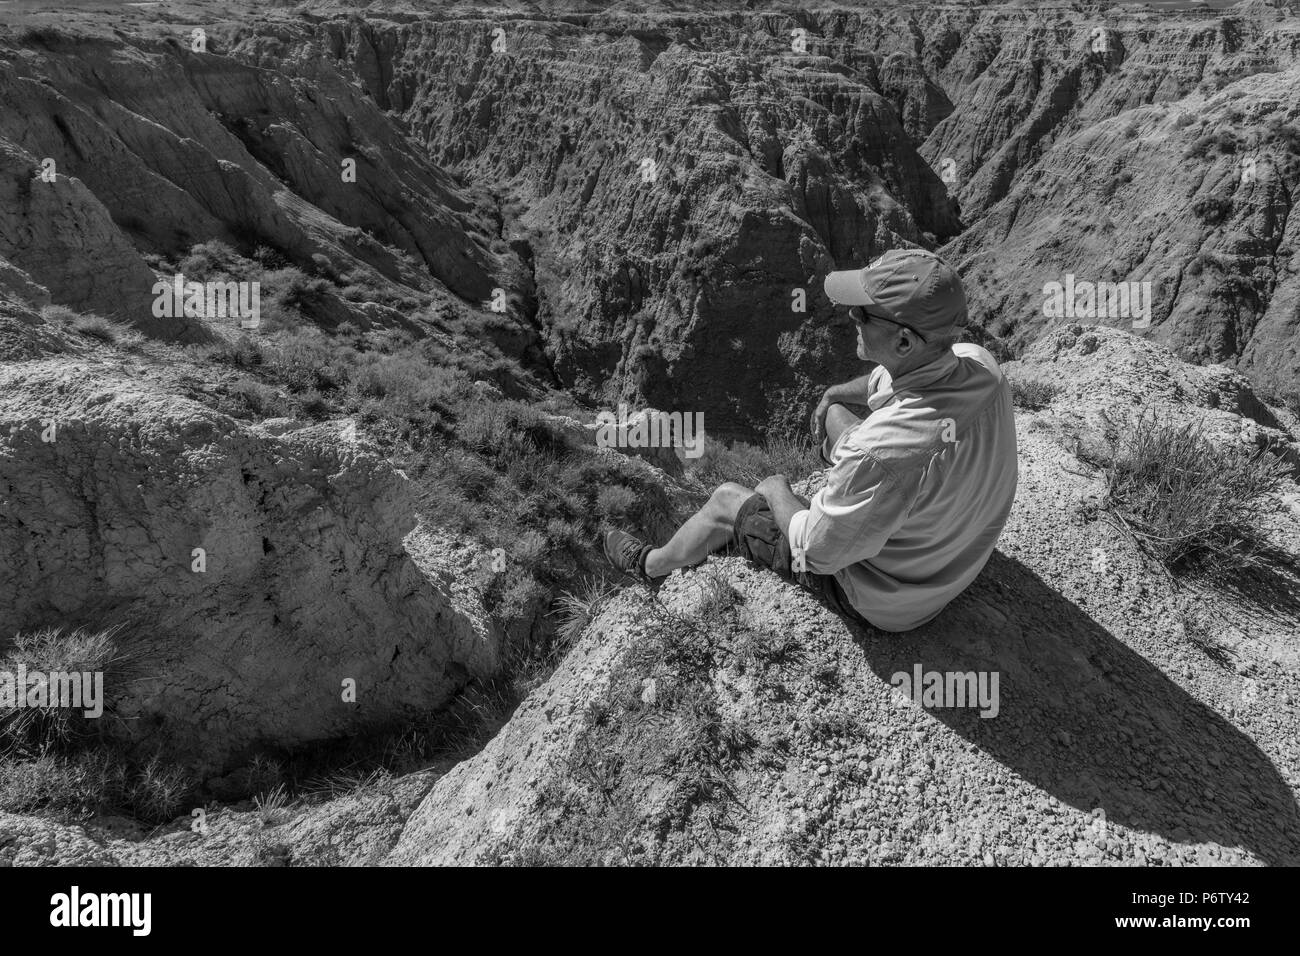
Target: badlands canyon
{"type": "Point", "coordinates": [337, 561]}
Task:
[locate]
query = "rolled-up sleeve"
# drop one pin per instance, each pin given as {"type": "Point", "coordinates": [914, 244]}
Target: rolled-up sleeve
{"type": "Point", "coordinates": [850, 519]}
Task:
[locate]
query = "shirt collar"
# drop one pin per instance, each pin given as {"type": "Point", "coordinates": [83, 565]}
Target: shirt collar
{"type": "Point", "coordinates": [940, 368]}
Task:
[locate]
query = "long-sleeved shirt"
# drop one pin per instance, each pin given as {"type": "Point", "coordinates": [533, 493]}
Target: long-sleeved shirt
{"type": "Point", "coordinates": [918, 492]}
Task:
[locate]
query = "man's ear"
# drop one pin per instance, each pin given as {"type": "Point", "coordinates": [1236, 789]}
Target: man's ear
{"type": "Point", "coordinates": [904, 345]}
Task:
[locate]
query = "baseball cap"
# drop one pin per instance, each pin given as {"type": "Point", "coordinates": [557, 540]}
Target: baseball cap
{"type": "Point", "coordinates": [910, 286]}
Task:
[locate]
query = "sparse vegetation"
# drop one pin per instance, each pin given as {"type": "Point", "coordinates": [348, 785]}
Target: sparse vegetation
{"type": "Point", "coordinates": [577, 608]}
{"type": "Point", "coordinates": [1190, 502]}
{"type": "Point", "coordinates": [1033, 395]}
{"type": "Point", "coordinates": [1212, 209]}
{"type": "Point", "coordinates": [749, 464]}
{"type": "Point", "coordinates": [271, 806]}
{"type": "Point", "coordinates": [55, 760]}
{"type": "Point", "coordinates": [1288, 399]}
{"type": "Point", "coordinates": [57, 650]}
{"type": "Point", "coordinates": [497, 470]}
{"type": "Point", "coordinates": [95, 326]}
{"type": "Point", "coordinates": [649, 779]}
{"type": "Point", "coordinates": [85, 783]}
{"type": "Point", "coordinates": [59, 315]}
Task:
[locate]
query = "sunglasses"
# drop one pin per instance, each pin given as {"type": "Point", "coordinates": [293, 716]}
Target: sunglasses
{"type": "Point", "coordinates": [861, 315]}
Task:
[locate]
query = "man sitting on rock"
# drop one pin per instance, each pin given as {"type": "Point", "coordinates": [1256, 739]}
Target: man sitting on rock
{"type": "Point", "coordinates": [916, 492]}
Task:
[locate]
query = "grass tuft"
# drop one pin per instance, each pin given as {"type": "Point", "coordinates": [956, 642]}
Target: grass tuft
{"type": "Point", "coordinates": [1033, 396]}
{"type": "Point", "coordinates": [1188, 501]}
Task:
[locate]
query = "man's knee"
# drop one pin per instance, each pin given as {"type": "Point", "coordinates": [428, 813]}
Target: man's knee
{"type": "Point", "coordinates": [839, 419]}
{"type": "Point", "coordinates": [725, 502]}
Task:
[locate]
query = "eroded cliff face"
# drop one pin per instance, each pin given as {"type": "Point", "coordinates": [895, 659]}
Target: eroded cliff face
{"type": "Point", "coordinates": [119, 147]}
{"type": "Point", "coordinates": [781, 146]}
{"type": "Point", "coordinates": [658, 194]}
{"type": "Point", "coordinates": [680, 187]}
{"type": "Point", "coordinates": [1191, 204]}
{"type": "Point", "coordinates": [257, 569]}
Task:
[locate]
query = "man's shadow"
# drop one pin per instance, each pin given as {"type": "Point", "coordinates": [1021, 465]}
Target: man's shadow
{"type": "Point", "coordinates": [1134, 743]}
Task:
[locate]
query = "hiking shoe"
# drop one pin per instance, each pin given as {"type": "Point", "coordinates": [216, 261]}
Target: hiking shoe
{"type": "Point", "coordinates": [627, 554]}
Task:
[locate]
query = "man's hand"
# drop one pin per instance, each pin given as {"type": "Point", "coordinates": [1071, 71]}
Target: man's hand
{"type": "Point", "coordinates": [856, 392]}
{"type": "Point", "coordinates": [773, 485]}
{"type": "Point", "coordinates": [819, 415]}
{"type": "Point", "coordinates": [784, 505]}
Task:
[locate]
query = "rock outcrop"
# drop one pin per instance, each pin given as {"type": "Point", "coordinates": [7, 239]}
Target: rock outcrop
{"type": "Point", "coordinates": [1114, 738]}
{"type": "Point", "coordinates": [260, 573]}
{"type": "Point", "coordinates": [153, 147]}
{"type": "Point", "coordinates": [63, 238]}
{"type": "Point", "coordinates": [1187, 204]}
{"type": "Point", "coordinates": [23, 334]}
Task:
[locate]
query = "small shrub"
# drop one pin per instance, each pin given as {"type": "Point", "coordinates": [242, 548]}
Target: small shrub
{"type": "Point", "coordinates": [158, 791]}
{"type": "Point", "coordinates": [793, 457]}
{"type": "Point", "coordinates": [578, 608]}
{"type": "Point", "coordinates": [211, 260]}
{"type": "Point", "coordinates": [615, 502]}
{"type": "Point", "coordinates": [58, 315]}
{"type": "Point", "coordinates": [54, 650]}
{"type": "Point", "coordinates": [88, 782]}
{"type": "Point", "coordinates": [271, 806]}
{"type": "Point", "coordinates": [1212, 210]}
{"type": "Point", "coordinates": [749, 464]}
{"type": "Point", "coordinates": [249, 399]}
{"type": "Point", "coordinates": [74, 787]}
{"type": "Point", "coordinates": [242, 352]}
{"type": "Point", "coordinates": [1187, 500]}
{"type": "Point", "coordinates": [1033, 396]}
{"type": "Point", "coordinates": [95, 326]}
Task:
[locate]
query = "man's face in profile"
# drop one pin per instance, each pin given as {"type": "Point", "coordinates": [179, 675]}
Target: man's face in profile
{"type": "Point", "coordinates": [874, 336]}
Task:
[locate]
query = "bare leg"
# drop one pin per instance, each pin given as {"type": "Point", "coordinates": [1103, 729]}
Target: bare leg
{"type": "Point", "coordinates": [838, 420]}
{"type": "Point", "coordinates": [703, 533]}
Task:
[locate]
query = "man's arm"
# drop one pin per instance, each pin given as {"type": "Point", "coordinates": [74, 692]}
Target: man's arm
{"type": "Point", "coordinates": [781, 500]}
{"type": "Point", "coordinates": [861, 506]}
{"type": "Point", "coordinates": [854, 392]}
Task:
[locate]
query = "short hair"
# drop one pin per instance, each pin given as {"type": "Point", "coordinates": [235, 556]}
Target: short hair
{"type": "Point", "coordinates": [943, 341]}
